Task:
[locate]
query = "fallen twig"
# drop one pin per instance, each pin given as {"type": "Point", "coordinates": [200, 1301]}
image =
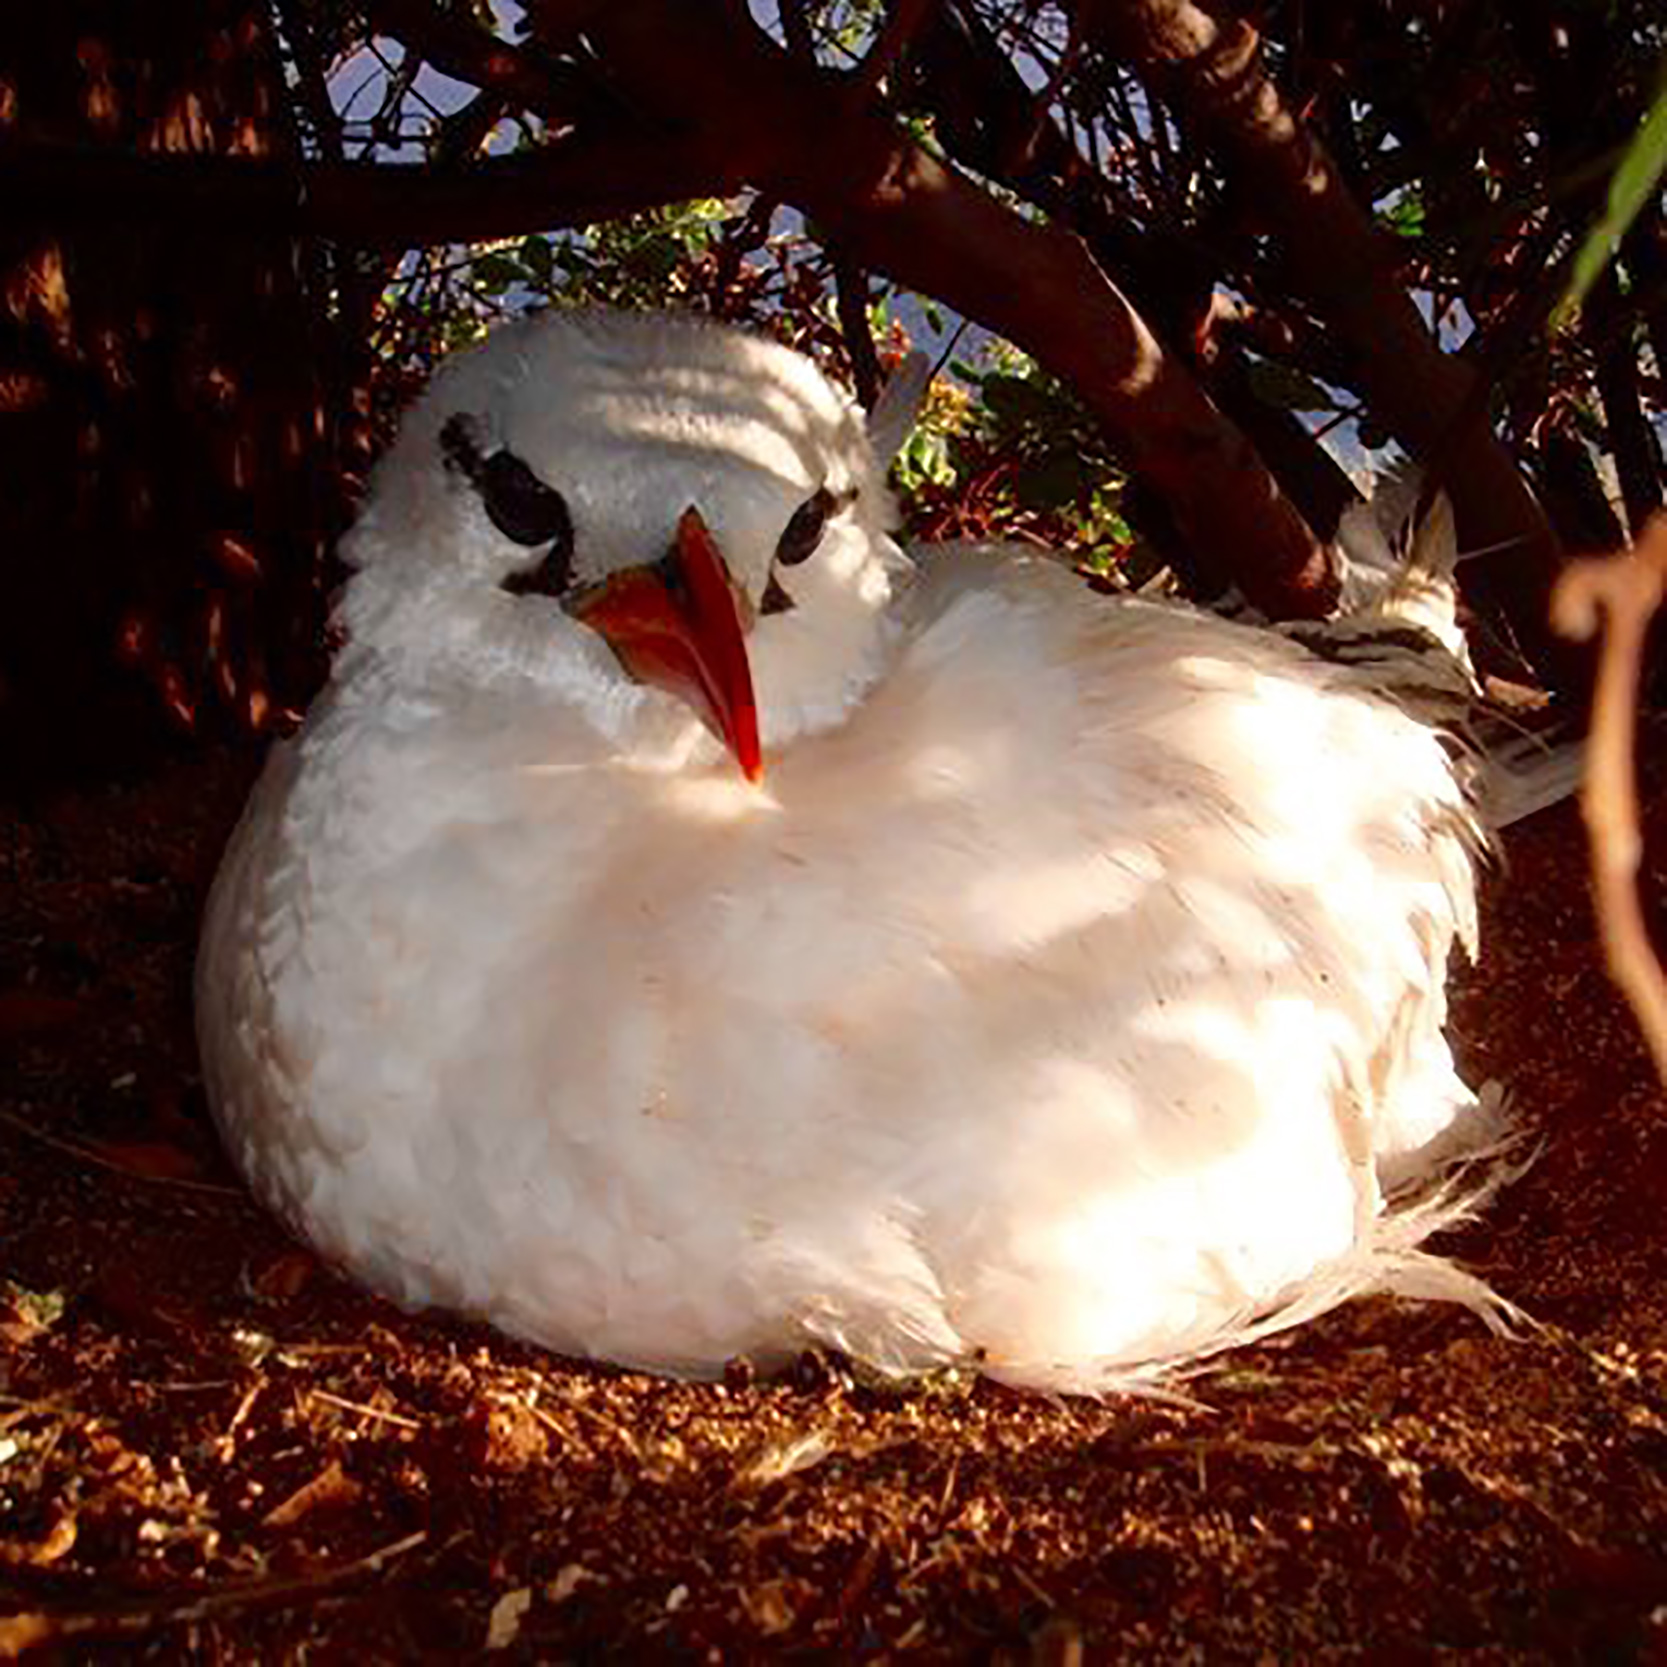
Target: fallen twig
{"type": "Point", "coordinates": [30, 1628]}
{"type": "Point", "coordinates": [359, 1407]}
{"type": "Point", "coordinates": [88, 1154]}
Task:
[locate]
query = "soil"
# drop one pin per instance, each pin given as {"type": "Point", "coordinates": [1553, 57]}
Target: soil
{"type": "Point", "coordinates": [212, 1447]}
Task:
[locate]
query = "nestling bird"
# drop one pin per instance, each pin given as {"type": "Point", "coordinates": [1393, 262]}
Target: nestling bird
{"type": "Point", "coordinates": [686, 927]}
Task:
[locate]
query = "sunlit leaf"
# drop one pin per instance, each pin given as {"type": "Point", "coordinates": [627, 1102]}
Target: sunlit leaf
{"type": "Point", "coordinates": [925, 459]}
{"type": "Point", "coordinates": [1629, 189]}
{"type": "Point", "coordinates": [495, 272]}
{"type": "Point", "coordinates": [1405, 217]}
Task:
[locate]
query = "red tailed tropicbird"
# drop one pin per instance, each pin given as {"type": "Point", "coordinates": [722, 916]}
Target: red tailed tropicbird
{"type": "Point", "coordinates": [687, 927]}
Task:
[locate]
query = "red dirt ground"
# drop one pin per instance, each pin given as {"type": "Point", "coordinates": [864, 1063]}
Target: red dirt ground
{"type": "Point", "coordinates": [212, 1448]}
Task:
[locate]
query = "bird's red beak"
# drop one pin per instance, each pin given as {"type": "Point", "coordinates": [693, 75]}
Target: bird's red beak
{"type": "Point", "coordinates": [676, 624]}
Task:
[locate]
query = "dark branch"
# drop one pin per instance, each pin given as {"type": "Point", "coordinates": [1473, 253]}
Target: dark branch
{"type": "Point", "coordinates": [571, 182]}
{"type": "Point", "coordinates": [536, 81]}
{"type": "Point", "coordinates": [1331, 254]}
{"type": "Point", "coordinates": [815, 140]}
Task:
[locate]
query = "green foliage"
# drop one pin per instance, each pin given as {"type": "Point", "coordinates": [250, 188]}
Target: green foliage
{"type": "Point", "coordinates": [1006, 451]}
{"type": "Point", "coordinates": [631, 262]}
{"type": "Point", "coordinates": [925, 460]}
{"type": "Point", "coordinates": [1630, 187]}
{"type": "Point", "coordinates": [1405, 214]}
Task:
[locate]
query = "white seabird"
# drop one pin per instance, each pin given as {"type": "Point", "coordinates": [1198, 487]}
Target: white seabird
{"type": "Point", "coordinates": [686, 928]}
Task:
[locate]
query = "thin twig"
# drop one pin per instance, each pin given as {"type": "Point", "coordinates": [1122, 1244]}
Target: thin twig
{"type": "Point", "coordinates": [902, 23]}
{"type": "Point", "coordinates": [1024, 153]}
{"type": "Point", "coordinates": [30, 1628]}
{"type": "Point", "coordinates": [1620, 594]}
{"type": "Point", "coordinates": [226, 1444]}
{"type": "Point", "coordinates": [346, 1405]}
{"type": "Point", "coordinates": [88, 1155]}
{"type": "Point", "coordinates": [851, 302]}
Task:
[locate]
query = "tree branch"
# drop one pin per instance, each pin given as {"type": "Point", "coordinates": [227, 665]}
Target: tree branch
{"type": "Point", "coordinates": [987, 119]}
{"type": "Point", "coordinates": [851, 300]}
{"type": "Point", "coordinates": [903, 22]}
{"type": "Point", "coordinates": [1333, 255]}
{"type": "Point", "coordinates": [1644, 250]}
{"type": "Point", "coordinates": [731, 108]}
{"type": "Point", "coordinates": [571, 181]}
{"type": "Point", "coordinates": [466, 52]}
{"type": "Point", "coordinates": [796, 131]}
{"type": "Point", "coordinates": [1622, 594]}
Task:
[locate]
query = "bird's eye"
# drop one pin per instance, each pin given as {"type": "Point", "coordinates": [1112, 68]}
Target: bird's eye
{"type": "Point", "coordinates": [521, 506]}
{"type": "Point", "coordinates": [804, 532]}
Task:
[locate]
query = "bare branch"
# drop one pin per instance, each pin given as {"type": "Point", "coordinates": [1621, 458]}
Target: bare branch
{"type": "Point", "coordinates": [793, 130]}
{"type": "Point", "coordinates": [796, 30]}
{"type": "Point", "coordinates": [474, 55]}
{"type": "Point", "coordinates": [1644, 249]}
{"type": "Point", "coordinates": [1620, 595]}
{"type": "Point", "coordinates": [569, 182]}
{"type": "Point", "coordinates": [1608, 330]}
{"type": "Point", "coordinates": [1332, 254]}
{"type": "Point", "coordinates": [312, 84]}
{"type": "Point", "coordinates": [988, 119]}
{"type": "Point", "coordinates": [902, 24]}
{"type": "Point", "coordinates": [851, 298]}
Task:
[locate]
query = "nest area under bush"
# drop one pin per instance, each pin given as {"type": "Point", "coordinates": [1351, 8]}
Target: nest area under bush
{"type": "Point", "coordinates": [209, 1441]}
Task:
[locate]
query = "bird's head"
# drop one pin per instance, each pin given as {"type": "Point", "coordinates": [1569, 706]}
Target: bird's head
{"type": "Point", "coordinates": [609, 508]}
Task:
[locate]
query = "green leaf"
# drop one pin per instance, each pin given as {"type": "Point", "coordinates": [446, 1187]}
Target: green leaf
{"type": "Point", "coordinates": [39, 1310]}
{"type": "Point", "coordinates": [537, 258]}
{"type": "Point", "coordinates": [1405, 216]}
{"type": "Point", "coordinates": [496, 271]}
{"type": "Point", "coordinates": [656, 257]}
{"type": "Point", "coordinates": [1629, 189]}
{"type": "Point", "coordinates": [1015, 399]}
{"type": "Point", "coordinates": [924, 460]}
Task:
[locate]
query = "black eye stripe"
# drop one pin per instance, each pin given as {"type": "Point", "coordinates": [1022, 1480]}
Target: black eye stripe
{"type": "Point", "coordinates": [804, 532]}
{"type": "Point", "coordinates": [460, 446]}
{"type": "Point", "coordinates": [525, 509]}
{"type": "Point", "coordinates": [548, 577]}
{"type": "Point", "coordinates": [521, 506]}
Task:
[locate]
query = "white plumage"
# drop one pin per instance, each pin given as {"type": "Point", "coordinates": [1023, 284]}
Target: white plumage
{"type": "Point", "coordinates": [1065, 997]}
